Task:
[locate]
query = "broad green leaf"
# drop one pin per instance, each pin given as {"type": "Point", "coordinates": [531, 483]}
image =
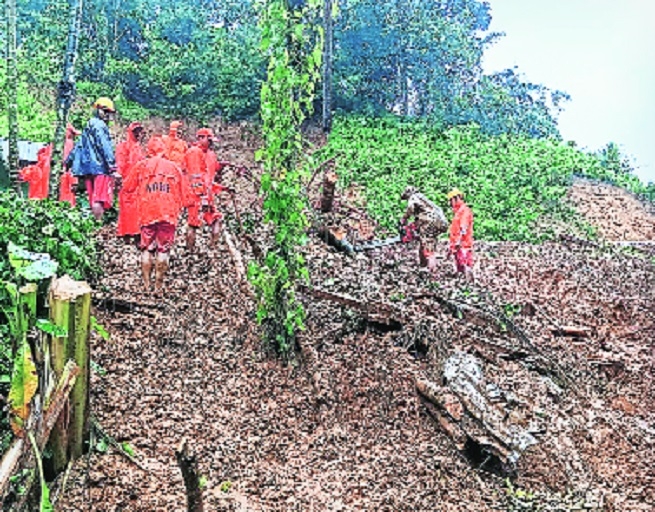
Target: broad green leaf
{"type": "Point", "coordinates": [31, 265]}
{"type": "Point", "coordinates": [23, 387]}
{"type": "Point", "coordinates": [50, 328]}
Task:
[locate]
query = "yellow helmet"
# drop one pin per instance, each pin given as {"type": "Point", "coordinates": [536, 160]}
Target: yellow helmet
{"type": "Point", "coordinates": [105, 104]}
{"type": "Point", "coordinates": [454, 193]}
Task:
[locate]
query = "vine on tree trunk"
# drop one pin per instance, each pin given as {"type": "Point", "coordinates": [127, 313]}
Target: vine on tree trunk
{"type": "Point", "coordinates": [292, 40]}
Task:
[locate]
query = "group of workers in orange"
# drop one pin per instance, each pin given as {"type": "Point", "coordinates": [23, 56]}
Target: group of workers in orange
{"type": "Point", "coordinates": [157, 184]}
{"type": "Point", "coordinates": [154, 185]}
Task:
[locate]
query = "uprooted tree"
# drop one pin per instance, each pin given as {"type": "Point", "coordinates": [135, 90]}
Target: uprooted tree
{"type": "Point", "coordinates": [293, 47]}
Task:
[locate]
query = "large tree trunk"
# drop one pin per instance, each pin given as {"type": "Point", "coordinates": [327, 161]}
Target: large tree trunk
{"type": "Point", "coordinates": [328, 48]}
{"type": "Point", "coordinates": [66, 94]}
{"type": "Point", "coordinates": [12, 93]}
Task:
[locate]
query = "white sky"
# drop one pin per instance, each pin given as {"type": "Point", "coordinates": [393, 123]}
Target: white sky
{"type": "Point", "coordinates": [601, 52]}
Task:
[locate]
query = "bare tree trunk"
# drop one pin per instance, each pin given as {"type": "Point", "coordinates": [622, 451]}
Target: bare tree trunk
{"type": "Point", "coordinates": [66, 94]}
{"type": "Point", "coordinates": [328, 48]}
{"type": "Point", "coordinates": [12, 93]}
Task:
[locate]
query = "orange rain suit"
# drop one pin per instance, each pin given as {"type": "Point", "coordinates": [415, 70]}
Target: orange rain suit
{"type": "Point", "coordinates": [68, 181]}
{"type": "Point", "coordinates": [159, 186]}
{"type": "Point", "coordinates": [128, 153]}
{"type": "Point", "coordinates": [38, 175]}
{"type": "Point", "coordinates": [461, 229]}
{"type": "Point", "coordinates": [461, 236]}
{"type": "Point", "coordinates": [175, 147]}
{"type": "Point", "coordinates": [201, 168]}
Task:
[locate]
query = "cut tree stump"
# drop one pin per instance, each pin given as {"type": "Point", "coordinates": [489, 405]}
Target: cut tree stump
{"type": "Point", "coordinates": [188, 464]}
{"type": "Point", "coordinates": [329, 186]}
{"type": "Point", "coordinates": [70, 306]}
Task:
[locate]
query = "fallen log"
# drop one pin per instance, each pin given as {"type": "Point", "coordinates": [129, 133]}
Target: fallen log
{"type": "Point", "coordinates": [19, 454]}
{"type": "Point", "coordinates": [374, 311]}
{"type": "Point", "coordinates": [464, 408]}
{"type": "Point", "coordinates": [237, 259]}
{"type": "Point", "coordinates": [571, 330]}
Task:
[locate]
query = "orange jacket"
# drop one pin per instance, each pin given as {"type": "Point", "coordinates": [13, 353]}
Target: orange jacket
{"type": "Point", "coordinates": [38, 175]}
{"type": "Point", "coordinates": [67, 180]}
{"type": "Point", "coordinates": [69, 143]}
{"type": "Point", "coordinates": [461, 229]}
{"type": "Point", "coordinates": [175, 147]}
{"type": "Point", "coordinates": [128, 152]}
{"type": "Point", "coordinates": [33, 176]}
{"type": "Point", "coordinates": [66, 184]}
{"type": "Point", "coordinates": [197, 173]}
{"type": "Point", "coordinates": [214, 167]}
{"type": "Point", "coordinates": [160, 187]}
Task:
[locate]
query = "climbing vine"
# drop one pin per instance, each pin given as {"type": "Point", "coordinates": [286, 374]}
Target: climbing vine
{"type": "Point", "coordinates": [292, 43]}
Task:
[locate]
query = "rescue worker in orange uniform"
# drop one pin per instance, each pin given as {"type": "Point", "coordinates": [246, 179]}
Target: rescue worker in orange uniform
{"type": "Point", "coordinates": [38, 174]}
{"type": "Point", "coordinates": [175, 146]}
{"type": "Point", "coordinates": [162, 191]}
{"type": "Point", "coordinates": [128, 153]}
{"type": "Point", "coordinates": [202, 169]}
{"type": "Point", "coordinates": [430, 223]}
{"type": "Point", "coordinates": [461, 234]}
{"type": "Point", "coordinates": [68, 181]}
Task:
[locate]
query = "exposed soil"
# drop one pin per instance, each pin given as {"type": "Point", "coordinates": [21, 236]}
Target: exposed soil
{"type": "Point", "coordinates": [616, 213]}
{"type": "Point", "coordinates": [343, 428]}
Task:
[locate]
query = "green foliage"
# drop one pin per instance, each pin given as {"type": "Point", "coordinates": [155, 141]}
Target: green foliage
{"type": "Point", "coordinates": [63, 234]}
{"type": "Point", "coordinates": [511, 182]}
{"type": "Point", "coordinates": [100, 329]}
{"type": "Point", "coordinates": [51, 227]}
{"type": "Point", "coordinates": [294, 52]}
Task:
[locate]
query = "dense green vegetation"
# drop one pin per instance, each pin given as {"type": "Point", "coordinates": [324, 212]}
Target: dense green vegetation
{"type": "Point", "coordinates": [66, 234]}
{"type": "Point", "coordinates": [512, 181]}
{"type": "Point", "coordinates": [293, 46]}
{"type": "Point", "coordinates": [203, 59]}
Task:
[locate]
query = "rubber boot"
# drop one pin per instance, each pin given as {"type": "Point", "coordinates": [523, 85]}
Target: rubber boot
{"type": "Point", "coordinates": [161, 267]}
{"type": "Point", "coordinates": [190, 239]}
{"type": "Point", "coordinates": [146, 268]}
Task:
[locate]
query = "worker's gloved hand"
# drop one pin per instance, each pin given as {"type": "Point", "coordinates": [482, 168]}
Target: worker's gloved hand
{"type": "Point", "coordinates": [401, 229]}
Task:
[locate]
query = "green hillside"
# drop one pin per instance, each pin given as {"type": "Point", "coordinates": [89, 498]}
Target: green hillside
{"type": "Point", "coordinates": [514, 183]}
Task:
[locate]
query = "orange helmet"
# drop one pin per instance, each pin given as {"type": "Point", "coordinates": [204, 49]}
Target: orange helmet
{"type": "Point", "coordinates": [175, 125]}
{"type": "Point", "coordinates": [205, 132]}
{"type": "Point", "coordinates": [156, 146]}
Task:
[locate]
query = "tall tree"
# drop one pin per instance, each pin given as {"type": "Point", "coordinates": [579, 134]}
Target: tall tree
{"type": "Point", "coordinates": [66, 94]}
{"type": "Point", "coordinates": [12, 92]}
{"type": "Point", "coordinates": [293, 48]}
{"type": "Point", "coordinates": [328, 48]}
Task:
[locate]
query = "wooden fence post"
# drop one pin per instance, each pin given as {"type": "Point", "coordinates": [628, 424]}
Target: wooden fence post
{"type": "Point", "coordinates": [70, 308]}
